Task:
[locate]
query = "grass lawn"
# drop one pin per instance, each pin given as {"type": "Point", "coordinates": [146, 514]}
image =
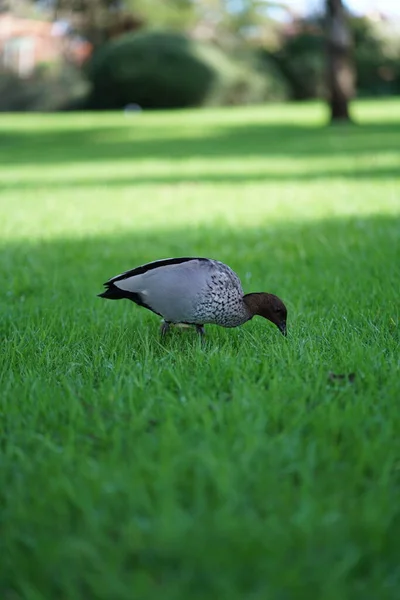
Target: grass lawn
{"type": "Point", "coordinates": [133, 469]}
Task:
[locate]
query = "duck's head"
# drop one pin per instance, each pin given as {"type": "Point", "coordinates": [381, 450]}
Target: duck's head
{"type": "Point", "coordinates": [268, 306]}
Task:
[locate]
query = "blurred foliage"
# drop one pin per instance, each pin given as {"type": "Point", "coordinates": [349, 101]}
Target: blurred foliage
{"type": "Point", "coordinates": [301, 59]}
{"type": "Point", "coordinates": [154, 70]}
{"type": "Point", "coordinates": [302, 62]}
{"type": "Point", "coordinates": [221, 20]}
{"type": "Point", "coordinates": [179, 53]}
{"type": "Point", "coordinates": [49, 88]}
{"type": "Point", "coordinates": [168, 70]}
{"type": "Point", "coordinates": [377, 59]}
{"type": "Point", "coordinates": [174, 14]}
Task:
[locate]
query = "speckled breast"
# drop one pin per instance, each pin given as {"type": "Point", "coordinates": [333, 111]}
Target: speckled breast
{"type": "Point", "coordinates": [222, 305]}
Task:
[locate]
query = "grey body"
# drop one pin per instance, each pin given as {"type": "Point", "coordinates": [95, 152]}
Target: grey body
{"type": "Point", "coordinates": [194, 291]}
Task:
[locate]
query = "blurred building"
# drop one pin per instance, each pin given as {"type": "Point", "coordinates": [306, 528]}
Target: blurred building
{"type": "Point", "coordinates": [25, 44]}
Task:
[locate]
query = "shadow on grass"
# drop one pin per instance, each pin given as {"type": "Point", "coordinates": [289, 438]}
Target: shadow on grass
{"type": "Point", "coordinates": [359, 173]}
{"type": "Point", "coordinates": [341, 267]}
{"type": "Point", "coordinates": [113, 143]}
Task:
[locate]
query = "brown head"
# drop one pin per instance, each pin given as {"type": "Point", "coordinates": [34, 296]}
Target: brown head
{"type": "Point", "coordinates": [268, 306]}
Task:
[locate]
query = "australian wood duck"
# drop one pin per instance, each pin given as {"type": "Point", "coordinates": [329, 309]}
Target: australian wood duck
{"type": "Point", "coordinates": [194, 291]}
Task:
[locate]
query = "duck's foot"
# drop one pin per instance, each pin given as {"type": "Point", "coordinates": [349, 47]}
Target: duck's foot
{"type": "Point", "coordinates": [164, 328]}
{"type": "Point", "coordinates": [201, 332]}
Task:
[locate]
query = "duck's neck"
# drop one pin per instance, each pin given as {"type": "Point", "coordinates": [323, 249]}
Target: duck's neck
{"type": "Point", "coordinates": [253, 303]}
{"type": "Point", "coordinates": [246, 312]}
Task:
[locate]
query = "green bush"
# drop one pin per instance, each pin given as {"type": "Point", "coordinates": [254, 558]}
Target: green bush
{"type": "Point", "coordinates": [48, 88]}
{"type": "Point", "coordinates": [377, 64]}
{"type": "Point", "coordinates": [169, 70]}
{"type": "Point", "coordinates": [301, 60]}
{"type": "Point", "coordinates": [17, 94]}
{"type": "Point", "coordinates": [257, 79]}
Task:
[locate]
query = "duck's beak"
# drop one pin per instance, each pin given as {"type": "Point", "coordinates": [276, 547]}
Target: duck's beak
{"type": "Point", "coordinates": [282, 328]}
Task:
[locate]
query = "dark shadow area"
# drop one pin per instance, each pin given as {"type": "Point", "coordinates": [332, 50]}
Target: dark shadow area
{"type": "Point", "coordinates": [110, 143]}
{"type": "Point", "coordinates": [359, 173]}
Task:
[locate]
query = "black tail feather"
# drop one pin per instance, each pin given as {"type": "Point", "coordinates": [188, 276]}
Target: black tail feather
{"type": "Point", "coordinates": [113, 293]}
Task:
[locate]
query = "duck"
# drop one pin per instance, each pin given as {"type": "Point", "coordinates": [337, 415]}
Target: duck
{"type": "Point", "coordinates": [194, 291]}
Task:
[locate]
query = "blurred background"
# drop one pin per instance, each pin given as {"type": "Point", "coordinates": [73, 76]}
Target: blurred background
{"type": "Point", "coordinates": [58, 55]}
{"type": "Point", "coordinates": [254, 468]}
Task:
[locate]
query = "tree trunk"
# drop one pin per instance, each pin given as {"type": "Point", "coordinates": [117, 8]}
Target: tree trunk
{"type": "Point", "coordinates": [340, 73]}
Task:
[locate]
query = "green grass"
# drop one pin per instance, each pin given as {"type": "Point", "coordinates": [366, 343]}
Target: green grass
{"type": "Point", "coordinates": [134, 469]}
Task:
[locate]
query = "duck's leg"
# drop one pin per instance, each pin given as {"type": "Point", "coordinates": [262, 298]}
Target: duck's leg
{"type": "Point", "coordinates": [164, 328]}
{"type": "Point", "coordinates": [200, 331]}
